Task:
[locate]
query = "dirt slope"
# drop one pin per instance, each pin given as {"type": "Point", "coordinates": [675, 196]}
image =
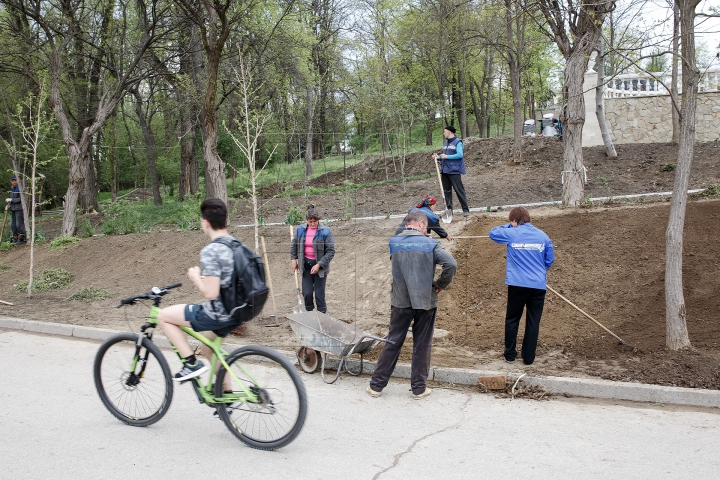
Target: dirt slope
{"type": "Point", "coordinates": [609, 262]}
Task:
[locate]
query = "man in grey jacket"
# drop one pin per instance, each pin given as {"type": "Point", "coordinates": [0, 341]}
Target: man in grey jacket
{"type": "Point", "coordinates": [414, 299]}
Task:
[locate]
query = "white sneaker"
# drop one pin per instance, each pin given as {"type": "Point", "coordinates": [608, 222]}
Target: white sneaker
{"type": "Point", "coordinates": [422, 395]}
{"type": "Point", "coordinates": [372, 392]}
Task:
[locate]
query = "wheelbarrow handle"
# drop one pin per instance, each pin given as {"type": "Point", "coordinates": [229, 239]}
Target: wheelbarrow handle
{"type": "Point", "coordinates": [379, 339]}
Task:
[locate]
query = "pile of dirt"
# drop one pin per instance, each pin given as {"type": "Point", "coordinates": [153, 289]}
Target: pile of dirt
{"type": "Point", "coordinates": [492, 179]}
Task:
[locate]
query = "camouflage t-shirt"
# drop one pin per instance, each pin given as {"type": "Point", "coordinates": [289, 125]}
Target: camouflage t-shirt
{"type": "Point", "coordinates": [216, 260]}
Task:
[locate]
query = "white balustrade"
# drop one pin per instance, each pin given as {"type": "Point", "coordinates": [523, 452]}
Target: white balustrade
{"type": "Point", "coordinates": [647, 84]}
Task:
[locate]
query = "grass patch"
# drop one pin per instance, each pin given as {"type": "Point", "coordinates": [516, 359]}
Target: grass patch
{"type": "Point", "coordinates": [667, 167]}
{"type": "Point", "coordinates": [61, 243]}
{"type": "Point", "coordinates": [90, 294]}
{"type": "Point", "coordinates": [4, 268]}
{"type": "Point", "coordinates": [5, 246]}
{"type": "Point", "coordinates": [125, 217]}
{"type": "Point", "coordinates": [48, 280]}
{"type": "Point", "coordinates": [348, 185]}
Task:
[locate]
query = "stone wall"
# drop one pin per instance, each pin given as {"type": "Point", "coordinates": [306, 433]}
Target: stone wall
{"type": "Point", "coordinates": [649, 119]}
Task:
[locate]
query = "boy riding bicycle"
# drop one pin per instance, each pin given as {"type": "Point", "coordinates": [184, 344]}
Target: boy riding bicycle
{"type": "Point", "coordinates": [211, 317]}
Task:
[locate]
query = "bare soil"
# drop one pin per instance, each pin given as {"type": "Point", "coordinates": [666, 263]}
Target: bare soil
{"type": "Point", "coordinates": [610, 262]}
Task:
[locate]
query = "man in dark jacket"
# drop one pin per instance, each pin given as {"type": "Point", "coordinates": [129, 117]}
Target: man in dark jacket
{"type": "Point", "coordinates": [16, 209]}
{"type": "Point", "coordinates": [453, 166]}
{"type": "Point", "coordinates": [427, 206]}
{"type": "Point", "coordinates": [414, 300]}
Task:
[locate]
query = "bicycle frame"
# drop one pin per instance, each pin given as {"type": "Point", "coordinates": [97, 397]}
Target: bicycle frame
{"type": "Point", "coordinates": [203, 390]}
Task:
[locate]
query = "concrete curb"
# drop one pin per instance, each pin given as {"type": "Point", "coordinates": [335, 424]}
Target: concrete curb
{"type": "Point", "coordinates": [579, 387]}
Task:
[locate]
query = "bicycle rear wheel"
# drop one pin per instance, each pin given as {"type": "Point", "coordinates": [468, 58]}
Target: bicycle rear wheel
{"type": "Point", "coordinates": [277, 415]}
{"type": "Point", "coordinates": [136, 389]}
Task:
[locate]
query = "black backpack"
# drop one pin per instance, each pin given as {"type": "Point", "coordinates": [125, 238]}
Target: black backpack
{"type": "Point", "coordinates": [245, 297]}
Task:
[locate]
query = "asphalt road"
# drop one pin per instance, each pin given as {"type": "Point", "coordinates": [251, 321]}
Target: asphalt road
{"type": "Point", "coordinates": [53, 425]}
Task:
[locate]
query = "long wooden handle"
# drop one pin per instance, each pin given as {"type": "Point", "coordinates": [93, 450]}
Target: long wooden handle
{"type": "Point", "coordinates": [297, 284]}
{"type": "Point", "coordinates": [473, 236]}
{"type": "Point", "coordinates": [7, 303]}
{"type": "Point", "coordinates": [442, 190]}
{"type": "Point", "coordinates": [588, 316]}
{"type": "Point", "coordinates": [267, 271]}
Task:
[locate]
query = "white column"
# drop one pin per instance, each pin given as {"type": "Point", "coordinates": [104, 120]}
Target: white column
{"type": "Point", "coordinates": [591, 135]}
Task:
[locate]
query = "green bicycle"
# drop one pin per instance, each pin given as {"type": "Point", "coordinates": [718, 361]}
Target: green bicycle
{"type": "Point", "coordinates": [266, 410]}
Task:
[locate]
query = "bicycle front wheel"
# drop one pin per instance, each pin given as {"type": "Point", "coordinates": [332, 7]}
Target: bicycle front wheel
{"type": "Point", "coordinates": [274, 412]}
{"type": "Point", "coordinates": [134, 385]}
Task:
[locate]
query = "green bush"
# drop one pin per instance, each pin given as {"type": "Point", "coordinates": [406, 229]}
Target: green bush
{"type": "Point", "coordinates": [85, 229]}
{"type": "Point", "coordinates": [90, 294]}
{"type": "Point", "coordinates": [48, 280]}
{"type": "Point", "coordinates": [294, 216]}
{"type": "Point", "coordinates": [61, 243]}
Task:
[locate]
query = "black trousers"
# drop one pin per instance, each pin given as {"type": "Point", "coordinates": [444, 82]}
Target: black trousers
{"type": "Point", "coordinates": [17, 224]}
{"type": "Point", "coordinates": [313, 284]}
{"type": "Point", "coordinates": [423, 324]}
{"type": "Point", "coordinates": [519, 298]}
{"type": "Point", "coordinates": [454, 181]}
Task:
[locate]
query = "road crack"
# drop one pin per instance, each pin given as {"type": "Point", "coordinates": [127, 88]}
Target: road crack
{"type": "Point", "coordinates": [398, 456]}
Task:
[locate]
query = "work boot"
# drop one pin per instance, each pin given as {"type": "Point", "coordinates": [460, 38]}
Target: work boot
{"type": "Point", "coordinates": [14, 239]}
{"type": "Point", "coordinates": [21, 239]}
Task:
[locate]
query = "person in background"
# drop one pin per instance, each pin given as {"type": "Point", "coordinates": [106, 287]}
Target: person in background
{"type": "Point", "coordinates": [18, 220]}
{"type": "Point", "coordinates": [311, 250]}
{"type": "Point", "coordinates": [427, 205]}
{"type": "Point", "coordinates": [529, 255]}
{"type": "Point", "coordinates": [453, 166]}
{"type": "Point", "coordinates": [413, 300]}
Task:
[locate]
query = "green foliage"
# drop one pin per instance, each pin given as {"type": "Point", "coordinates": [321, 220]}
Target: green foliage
{"type": "Point", "coordinates": [125, 217]}
{"type": "Point", "coordinates": [5, 246]}
{"type": "Point", "coordinates": [85, 229]}
{"type": "Point", "coordinates": [40, 236]}
{"type": "Point", "coordinates": [47, 280]}
{"type": "Point", "coordinates": [294, 216]}
{"type": "Point", "coordinates": [667, 167]}
{"type": "Point", "coordinates": [713, 190]}
{"type": "Point", "coordinates": [4, 268]}
{"type": "Point", "coordinates": [347, 204]}
{"type": "Point", "coordinates": [90, 294]}
{"type": "Point", "coordinates": [61, 243]}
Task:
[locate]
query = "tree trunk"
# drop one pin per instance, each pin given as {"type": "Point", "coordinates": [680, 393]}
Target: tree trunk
{"type": "Point", "coordinates": [149, 146]}
{"type": "Point", "coordinates": [215, 182]}
{"type": "Point", "coordinates": [599, 108]}
{"type": "Point", "coordinates": [674, 103]}
{"type": "Point", "coordinates": [675, 311]}
{"type": "Point", "coordinates": [476, 110]}
{"type": "Point", "coordinates": [573, 118]}
{"type": "Point", "coordinates": [488, 82]}
{"type": "Point", "coordinates": [514, 56]}
{"type": "Point", "coordinates": [112, 156]}
{"type": "Point", "coordinates": [309, 135]}
{"type": "Point", "coordinates": [462, 110]}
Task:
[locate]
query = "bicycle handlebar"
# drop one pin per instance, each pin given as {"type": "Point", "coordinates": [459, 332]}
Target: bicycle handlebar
{"type": "Point", "coordinates": [154, 294]}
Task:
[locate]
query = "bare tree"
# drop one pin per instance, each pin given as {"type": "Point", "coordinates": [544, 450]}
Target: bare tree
{"type": "Point", "coordinates": [676, 336]}
{"type": "Point", "coordinates": [251, 128]}
{"type": "Point", "coordinates": [576, 29]}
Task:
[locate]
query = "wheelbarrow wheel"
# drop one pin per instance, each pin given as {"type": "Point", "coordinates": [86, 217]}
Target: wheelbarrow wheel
{"type": "Point", "coordinates": [308, 359]}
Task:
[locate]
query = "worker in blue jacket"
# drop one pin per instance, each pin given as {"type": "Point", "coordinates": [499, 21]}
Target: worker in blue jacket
{"type": "Point", "coordinates": [453, 166]}
{"type": "Point", "coordinates": [529, 255]}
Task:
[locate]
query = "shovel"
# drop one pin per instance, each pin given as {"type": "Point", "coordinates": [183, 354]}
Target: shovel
{"type": "Point", "coordinates": [447, 214]}
{"type": "Point", "coordinates": [3, 225]}
{"type": "Point", "coordinates": [300, 307]}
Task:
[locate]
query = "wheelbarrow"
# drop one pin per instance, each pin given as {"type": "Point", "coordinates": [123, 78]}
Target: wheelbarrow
{"type": "Point", "coordinates": [321, 335]}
